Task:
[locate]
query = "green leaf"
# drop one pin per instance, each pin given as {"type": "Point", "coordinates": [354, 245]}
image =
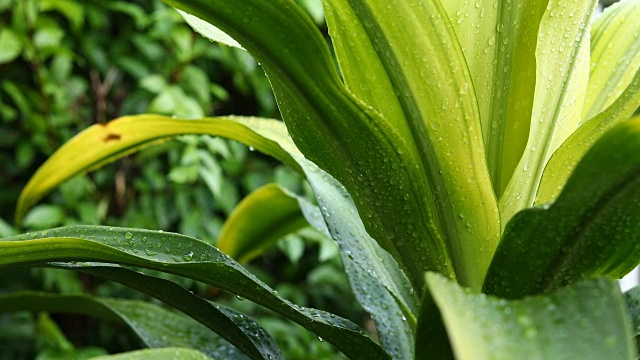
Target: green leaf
{"type": "Point", "coordinates": [184, 256]}
{"type": "Point", "coordinates": [207, 30]}
{"type": "Point", "coordinates": [377, 281]}
{"type": "Point", "coordinates": [158, 354]}
{"type": "Point", "coordinates": [155, 326]}
{"type": "Point", "coordinates": [233, 326]}
{"type": "Point", "coordinates": [565, 159]}
{"type": "Point", "coordinates": [375, 276]}
{"type": "Point", "coordinates": [44, 216]}
{"type": "Point", "coordinates": [557, 105]}
{"type": "Point", "coordinates": [10, 44]}
{"type": "Point", "coordinates": [591, 230]}
{"type": "Point", "coordinates": [251, 228]}
{"type": "Point", "coordinates": [498, 39]}
{"type": "Point", "coordinates": [587, 320]}
{"type": "Point", "coordinates": [435, 112]}
{"type": "Point", "coordinates": [318, 108]}
{"type": "Point", "coordinates": [615, 55]}
{"type": "Point", "coordinates": [128, 134]}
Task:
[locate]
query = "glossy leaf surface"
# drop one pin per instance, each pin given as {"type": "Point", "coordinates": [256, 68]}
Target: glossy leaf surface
{"type": "Point", "coordinates": [316, 106]}
{"type": "Point", "coordinates": [615, 55]}
{"type": "Point", "coordinates": [591, 230]}
{"type": "Point", "coordinates": [561, 84]}
{"type": "Point", "coordinates": [590, 313]}
{"type": "Point", "coordinates": [441, 120]}
{"type": "Point", "coordinates": [238, 329]}
{"type": "Point", "coordinates": [179, 255]}
{"type": "Point", "coordinates": [498, 39]}
{"type": "Point", "coordinates": [375, 276]}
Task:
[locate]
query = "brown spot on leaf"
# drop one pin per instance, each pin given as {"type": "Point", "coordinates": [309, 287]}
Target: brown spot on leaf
{"type": "Point", "coordinates": [111, 137]}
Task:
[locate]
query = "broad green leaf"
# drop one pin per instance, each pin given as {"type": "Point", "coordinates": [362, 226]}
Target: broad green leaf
{"type": "Point", "coordinates": [239, 330]}
{"type": "Point", "coordinates": [156, 327]}
{"type": "Point", "coordinates": [587, 320]}
{"type": "Point", "coordinates": [10, 44]}
{"type": "Point", "coordinates": [158, 354]}
{"type": "Point", "coordinates": [259, 221]}
{"type": "Point", "coordinates": [562, 68]}
{"type": "Point", "coordinates": [615, 55]}
{"type": "Point", "coordinates": [591, 230]}
{"type": "Point", "coordinates": [359, 149]}
{"type": "Point", "coordinates": [184, 256]}
{"type": "Point", "coordinates": [565, 159]}
{"type": "Point", "coordinates": [103, 143]}
{"type": "Point", "coordinates": [498, 39]}
{"type": "Point", "coordinates": [440, 118]}
{"type": "Point", "coordinates": [365, 262]}
{"type": "Point", "coordinates": [207, 30]}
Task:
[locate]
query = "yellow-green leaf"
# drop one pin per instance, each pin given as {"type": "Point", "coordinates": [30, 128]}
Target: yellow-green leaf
{"type": "Point", "coordinates": [615, 55]}
{"type": "Point", "coordinates": [259, 221]}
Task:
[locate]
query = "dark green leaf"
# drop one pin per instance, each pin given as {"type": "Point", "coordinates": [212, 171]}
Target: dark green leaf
{"type": "Point", "coordinates": [591, 230]}
{"type": "Point", "coordinates": [185, 256]}
{"type": "Point", "coordinates": [155, 326]}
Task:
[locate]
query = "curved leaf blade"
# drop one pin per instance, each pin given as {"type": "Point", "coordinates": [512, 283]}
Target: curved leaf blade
{"type": "Point", "coordinates": [184, 256]}
{"type": "Point", "coordinates": [486, 327]}
{"type": "Point", "coordinates": [565, 159]}
{"type": "Point", "coordinates": [561, 83]}
{"type": "Point", "coordinates": [236, 328]}
{"type": "Point", "coordinates": [615, 55]}
{"type": "Point", "coordinates": [442, 124]}
{"type": "Point", "coordinates": [498, 39]}
{"type": "Point", "coordinates": [156, 327]}
{"type": "Point", "coordinates": [591, 230]}
{"type": "Point", "coordinates": [104, 143]}
{"type": "Point", "coordinates": [365, 261]}
{"type": "Point", "coordinates": [317, 107]}
{"type": "Point", "coordinates": [259, 221]}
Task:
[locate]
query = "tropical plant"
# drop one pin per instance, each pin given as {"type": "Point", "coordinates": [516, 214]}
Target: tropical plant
{"type": "Point", "coordinates": [476, 162]}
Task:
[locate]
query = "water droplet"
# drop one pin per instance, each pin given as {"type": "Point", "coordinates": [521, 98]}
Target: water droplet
{"type": "Point", "coordinates": [128, 235]}
{"type": "Point", "coordinates": [188, 257]}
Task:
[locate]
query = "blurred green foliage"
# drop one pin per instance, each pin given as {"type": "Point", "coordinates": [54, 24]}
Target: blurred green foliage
{"type": "Point", "coordinates": [67, 64]}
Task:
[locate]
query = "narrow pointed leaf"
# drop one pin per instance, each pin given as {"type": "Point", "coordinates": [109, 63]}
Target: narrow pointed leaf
{"type": "Point", "coordinates": [379, 271]}
{"type": "Point", "coordinates": [587, 320]}
{"type": "Point", "coordinates": [565, 159]}
{"type": "Point", "coordinates": [259, 221]}
{"type": "Point", "coordinates": [380, 286]}
{"type": "Point", "coordinates": [158, 354]}
{"type": "Point", "coordinates": [156, 327]}
{"type": "Point", "coordinates": [498, 39]}
{"type": "Point", "coordinates": [233, 326]}
{"type": "Point", "coordinates": [316, 106]}
{"type": "Point", "coordinates": [103, 143]}
{"type": "Point", "coordinates": [417, 48]}
{"type": "Point", "coordinates": [562, 68]}
{"type": "Point", "coordinates": [179, 255]}
{"type": "Point", "coordinates": [591, 230]}
{"type": "Point", "coordinates": [615, 55]}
